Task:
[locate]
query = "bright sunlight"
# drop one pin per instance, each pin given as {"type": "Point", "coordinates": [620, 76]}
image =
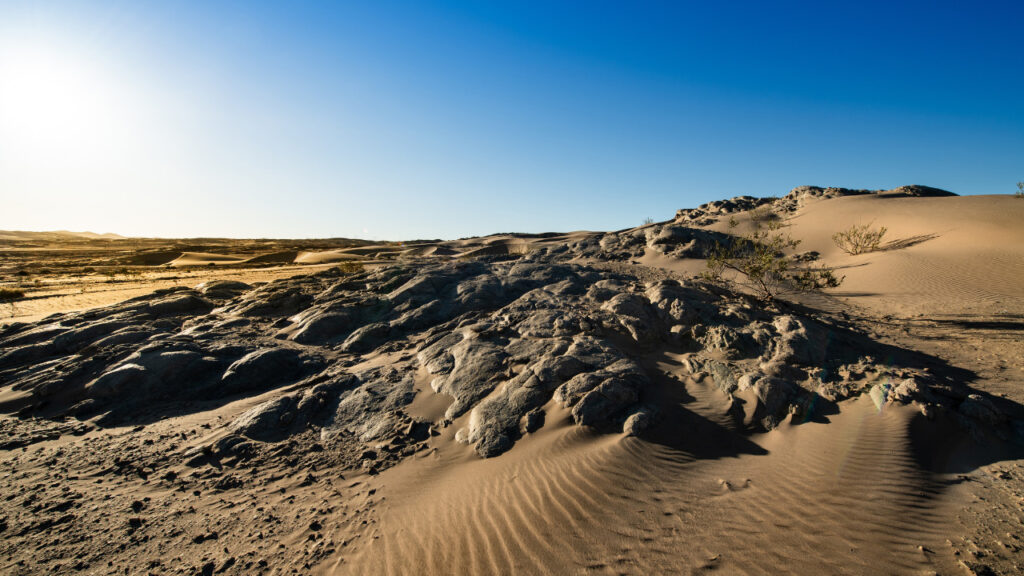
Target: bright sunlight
{"type": "Point", "coordinates": [57, 101]}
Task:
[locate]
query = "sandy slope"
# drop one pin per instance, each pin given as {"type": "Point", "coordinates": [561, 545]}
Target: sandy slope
{"type": "Point", "coordinates": [861, 489]}
{"type": "Point", "coordinates": [854, 496]}
{"type": "Point", "coordinates": [86, 293]}
{"type": "Point", "coordinates": [948, 255]}
{"type": "Point", "coordinates": [958, 255]}
{"type": "Point", "coordinates": [843, 500]}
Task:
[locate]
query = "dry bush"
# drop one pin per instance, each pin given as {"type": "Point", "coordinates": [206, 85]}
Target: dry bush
{"type": "Point", "coordinates": [350, 267]}
{"type": "Point", "coordinates": [760, 263]}
{"type": "Point", "coordinates": [10, 294]}
{"type": "Point", "coordinates": [859, 239]}
{"type": "Point", "coordinates": [763, 214]}
{"type": "Point", "coordinates": [1020, 190]}
{"type": "Point", "coordinates": [128, 273]}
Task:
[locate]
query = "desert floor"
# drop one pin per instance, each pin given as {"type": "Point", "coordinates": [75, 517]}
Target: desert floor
{"type": "Point", "coordinates": [362, 450]}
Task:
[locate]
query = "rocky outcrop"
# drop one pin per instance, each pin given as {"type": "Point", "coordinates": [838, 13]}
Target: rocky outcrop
{"type": "Point", "coordinates": [798, 197]}
{"type": "Point", "coordinates": [505, 339]}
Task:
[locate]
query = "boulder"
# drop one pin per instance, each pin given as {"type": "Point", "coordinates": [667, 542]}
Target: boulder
{"type": "Point", "coordinates": [222, 289]}
{"type": "Point", "coordinates": [262, 369]}
{"type": "Point", "coordinates": [178, 304]}
{"type": "Point", "coordinates": [367, 337]}
{"type": "Point", "coordinates": [598, 398]}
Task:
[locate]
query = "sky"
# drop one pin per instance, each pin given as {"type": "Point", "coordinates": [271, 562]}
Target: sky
{"type": "Point", "coordinates": [392, 119]}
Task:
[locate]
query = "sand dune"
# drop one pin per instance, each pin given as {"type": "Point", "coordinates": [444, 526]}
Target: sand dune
{"type": "Point", "coordinates": [56, 236]}
{"type": "Point", "coordinates": [429, 250]}
{"type": "Point", "coordinates": [569, 403]}
{"type": "Point", "coordinates": [841, 500]}
{"type": "Point", "coordinates": [287, 257]}
{"type": "Point", "coordinates": [962, 254]}
{"type": "Point", "coordinates": [205, 259]}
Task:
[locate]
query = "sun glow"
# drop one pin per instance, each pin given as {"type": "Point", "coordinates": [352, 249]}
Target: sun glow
{"type": "Point", "coordinates": [59, 104]}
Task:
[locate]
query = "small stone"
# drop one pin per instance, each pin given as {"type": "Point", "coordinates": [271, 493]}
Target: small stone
{"type": "Point", "coordinates": [533, 420]}
{"type": "Point", "coordinates": [226, 565]}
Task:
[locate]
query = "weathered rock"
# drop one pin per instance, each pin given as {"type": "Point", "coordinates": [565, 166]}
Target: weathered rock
{"type": "Point", "coordinates": [152, 373]}
{"type": "Point", "coordinates": [598, 398]}
{"type": "Point", "coordinates": [77, 338]}
{"type": "Point", "coordinates": [274, 419]}
{"type": "Point", "coordinates": [177, 304]}
{"type": "Point", "coordinates": [279, 298]}
{"type": "Point", "coordinates": [371, 410]}
{"type": "Point", "coordinates": [637, 423]}
{"type": "Point", "coordinates": [367, 338]}
{"type": "Point", "coordinates": [684, 241]}
{"type": "Point", "coordinates": [324, 327]}
{"type": "Point", "coordinates": [533, 420]}
{"type": "Point", "coordinates": [222, 289]}
{"type": "Point", "coordinates": [124, 378]}
{"type": "Point", "coordinates": [768, 399]}
{"type": "Point", "coordinates": [503, 336]}
{"type": "Point", "coordinates": [981, 409]}
{"type": "Point", "coordinates": [476, 368]}
{"type": "Point", "coordinates": [261, 369]}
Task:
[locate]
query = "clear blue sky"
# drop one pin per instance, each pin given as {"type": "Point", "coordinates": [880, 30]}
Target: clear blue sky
{"type": "Point", "coordinates": [399, 120]}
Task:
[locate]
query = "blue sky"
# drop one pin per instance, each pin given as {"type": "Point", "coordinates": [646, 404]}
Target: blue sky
{"type": "Point", "coordinates": [398, 120]}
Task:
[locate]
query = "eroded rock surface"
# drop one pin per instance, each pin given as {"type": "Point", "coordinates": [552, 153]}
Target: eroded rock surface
{"type": "Point", "coordinates": [502, 338]}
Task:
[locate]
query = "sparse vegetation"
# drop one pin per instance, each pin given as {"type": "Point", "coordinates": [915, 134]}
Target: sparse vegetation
{"type": "Point", "coordinates": [127, 273]}
{"type": "Point", "coordinates": [1020, 190]}
{"type": "Point", "coordinates": [759, 262]}
{"type": "Point", "coordinates": [648, 221]}
{"type": "Point", "coordinates": [860, 239]}
{"type": "Point", "coordinates": [350, 267]}
{"type": "Point", "coordinates": [762, 215]}
{"type": "Point", "coordinates": [11, 294]}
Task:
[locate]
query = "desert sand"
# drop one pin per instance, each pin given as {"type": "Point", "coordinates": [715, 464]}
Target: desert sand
{"type": "Point", "coordinates": [563, 403]}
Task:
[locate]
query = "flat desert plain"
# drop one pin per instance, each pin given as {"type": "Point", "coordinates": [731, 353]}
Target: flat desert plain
{"type": "Point", "coordinates": [561, 403]}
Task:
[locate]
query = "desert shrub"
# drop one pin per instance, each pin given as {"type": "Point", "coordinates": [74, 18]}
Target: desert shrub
{"type": "Point", "coordinates": [762, 215]}
{"type": "Point", "coordinates": [759, 262]}
{"type": "Point", "coordinates": [859, 239]}
{"type": "Point", "coordinates": [1020, 190]}
{"type": "Point", "coordinates": [10, 294]}
{"type": "Point", "coordinates": [648, 221]}
{"type": "Point", "coordinates": [350, 267]}
{"type": "Point", "coordinates": [128, 273]}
